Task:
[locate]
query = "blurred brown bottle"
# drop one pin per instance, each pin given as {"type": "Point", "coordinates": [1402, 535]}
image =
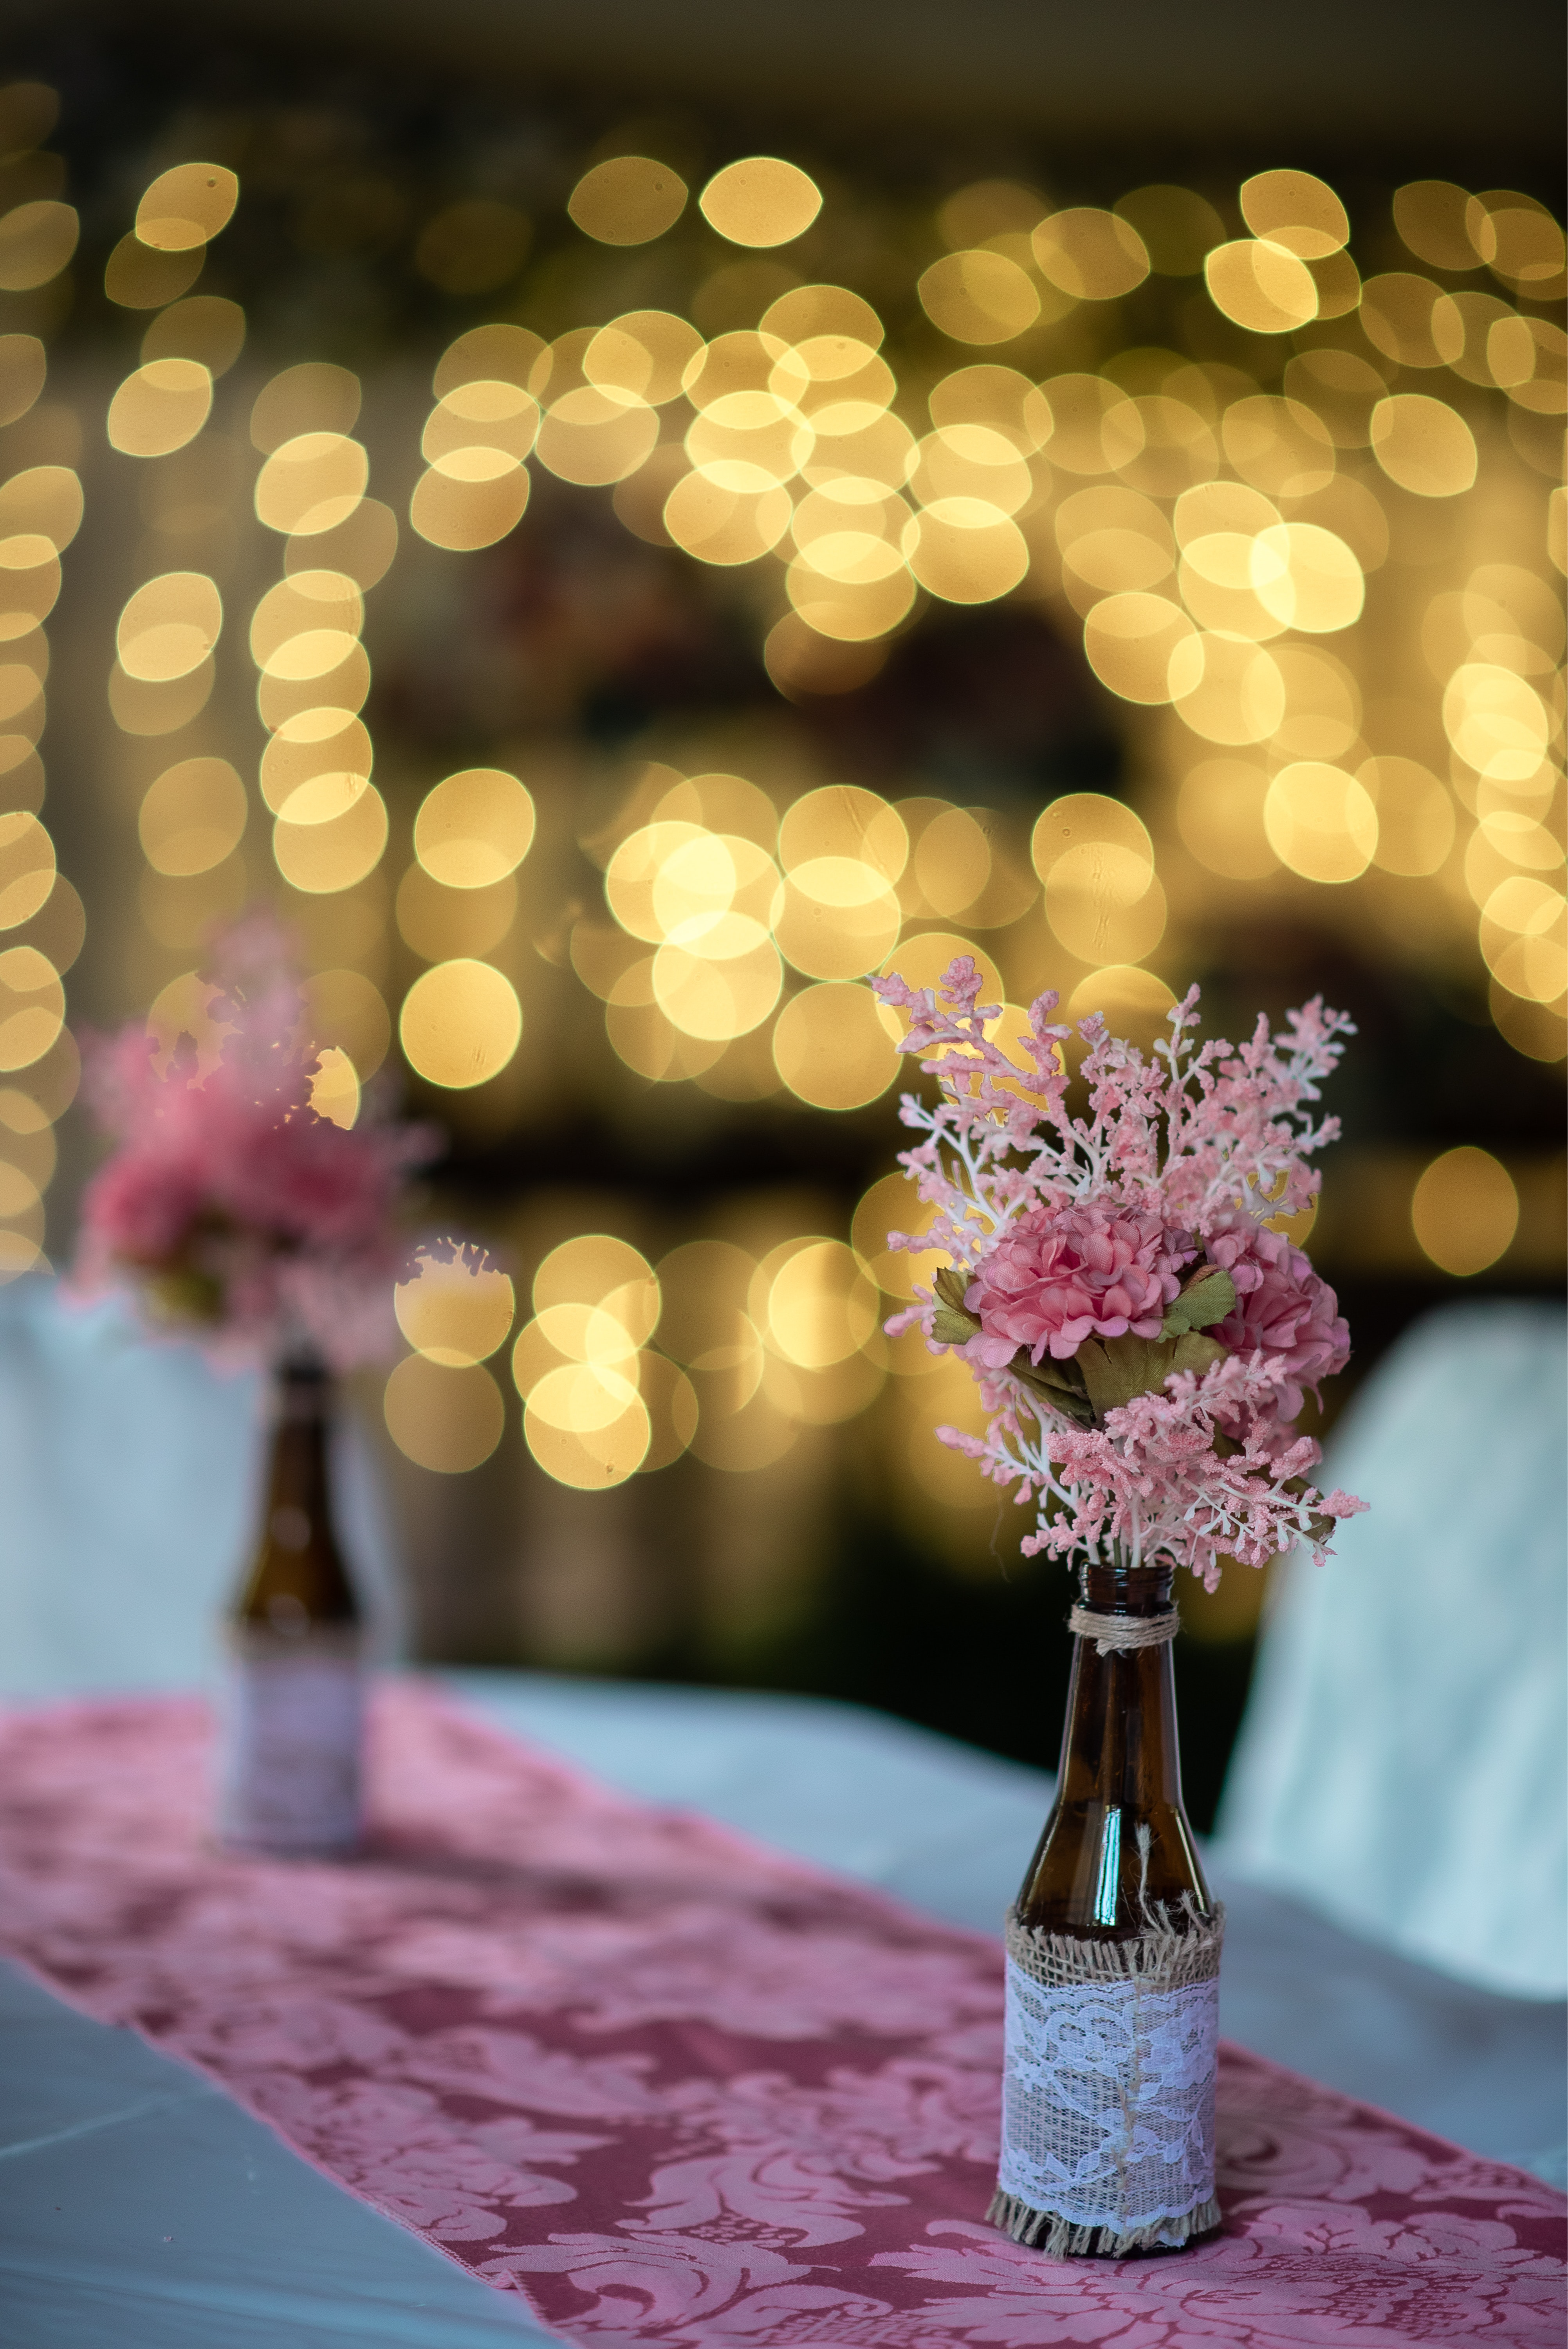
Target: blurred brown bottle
{"type": "Point", "coordinates": [1116, 1848]}
{"type": "Point", "coordinates": [292, 1729]}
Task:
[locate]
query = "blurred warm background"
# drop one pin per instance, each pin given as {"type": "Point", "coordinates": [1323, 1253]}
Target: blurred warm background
{"type": "Point", "coordinates": [619, 538]}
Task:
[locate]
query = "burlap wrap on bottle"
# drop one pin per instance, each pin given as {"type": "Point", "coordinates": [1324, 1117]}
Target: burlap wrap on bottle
{"type": "Point", "coordinates": [1108, 2125]}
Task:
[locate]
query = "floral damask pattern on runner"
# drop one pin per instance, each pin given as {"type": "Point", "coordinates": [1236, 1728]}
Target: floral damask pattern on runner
{"type": "Point", "coordinates": [676, 2089]}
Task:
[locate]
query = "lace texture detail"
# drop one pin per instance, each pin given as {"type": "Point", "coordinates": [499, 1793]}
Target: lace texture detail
{"type": "Point", "coordinates": [675, 2091]}
{"type": "Point", "coordinates": [1107, 2107]}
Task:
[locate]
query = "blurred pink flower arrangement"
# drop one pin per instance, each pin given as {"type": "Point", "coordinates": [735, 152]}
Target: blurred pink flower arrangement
{"type": "Point", "coordinates": [233, 1209]}
{"type": "Point", "coordinates": [1142, 1338]}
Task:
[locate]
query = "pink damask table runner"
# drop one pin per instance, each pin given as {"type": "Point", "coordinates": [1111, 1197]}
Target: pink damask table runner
{"type": "Point", "coordinates": [677, 2089]}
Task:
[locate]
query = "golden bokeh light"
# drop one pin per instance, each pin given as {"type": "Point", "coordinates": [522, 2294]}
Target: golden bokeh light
{"type": "Point", "coordinates": [335, 1089]}
{"type": "Point", "coordinates": [311, 484]}
{"type": "Point", "coordinates": [498, 353]}
{"type": "Point", "coordinates": [644, 353]}
{"type": "Point", "coordinates": [1429, 215]}
{"type": "Point", "coordinates": [1496, 721]}
{"type": "Point", "coordinates": [1524, 936]}
{"type": "Point", "coordinates": [1227, 688]}
{"type": "Point", "coordinates": [1158, 444]}
{"type": "Point", "coordinates": [361, 546]}
{"type": "Point", "coordinates": [208, 328]}
{"type": "Point", "coordinates": [1131, 1001]}
{"type": "Point", "coordinates": [1424, 445]}
{"type": "Point", "coordinates": [463, 515]}
{"type": "Point", "coordinates": [761, 201]}
{"type": "Point", "coordinates": [160, 408]}
{"type": "Point", "coordinates": [193, 816]}
{"type": "Point", "coordinates": [314, 397]}
{"type": "Point", "coordinates": [187, 206]}
{"type": "Point", "coordinates": [26, 866]}
{"type": "Point", "coordinates": [842, 820]}
{"type": "Point", "coordinates": [1297, 211]}
{"type": "Point", "coordinates": [597, 1269]}
{"type": "Point", "coordinates": [1132, 640]}
{"type": "Point", "coordinates": [1278, 446]}
{"type": "Point", "coordinates": [23, 368]}
{"type": "Point", "coordinates": [481, 430]}
{"type": "Point", "coordinates": [850, 611]}
{"type": "Point", "coordinates": [140, 708]}
{"type": "Point", "coordinates": [32, 1006]}
{"type": "Point", "coordinates": [951, 863]}
{"type": "Point", "coordinates": [29, 582]}
{"type": "Point", "coordinates": [839, 919]}
{"type": "Point", "coordinates": [1415, 822]}
{"type": "Point", "coordinates": [316, 766]}
{"type": "Point", "coordinates": [454, 1311]}
{"type": "Point", "coordinates": [1104, 903]}
{"type": "Point", "coordinates": [806, 311]}
{"type": "Point", "coordinates": [629, 200]}
{"type": "Point", "coordinates": [979, 296]}
{"type": "Point", "coordinates": [1219, 814]}
{"type": "Point", "coordinates": [966, 550]}
{"type": "Point", "coordinates": [816, 1301]}
{"type": "Point", "coordinates": [1093, 255]}
{"type": "Point", "coordinates": [348, 1013]}
{"type": "Point", "coordinates": [593, 435]}
{"type": "Point", "coordinates": [1465, 1211]}
{"type": "Point", "coordinates": [334, 851]}
{"type": "Point", "coordinates": [43, 501]}
{"type": "Point", "coordinates": [893, 1204]}
{"type": "Point", "coordinates": [723, 526]}
{"type": "Point", "coordinates": [474, 828]}
{"type": "Point", "coordinates": [135, 277]}
{"type": "Point", "coordinates": [1260, 285]}
{"type": "Point", "coordinates": [1323, 710]}
{"type": "Point", "coordinates": [298, 609]}
{"type": "Point", "coordinates": [1307, 577]}
{"type": "Point", "coordinates": [169, 627]}
{"type": "Point", "coordinates": [1410, 320]}
{"type": "Point", "coordinates": [1322, 822]}
{"type": "Point", "coordinates": [447, 1420]}
{"type": "Point", "coordinates": [36, 240]}
{"type": "Point", "coordinates": [460, 1023]}
{"type": "Point", "coordinates": [831, 1048]}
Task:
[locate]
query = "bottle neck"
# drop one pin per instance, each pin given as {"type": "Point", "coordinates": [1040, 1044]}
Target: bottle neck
{"type": "Point", "coordinates": [297, 1581]}
{"type": "Point", "coordinates": [1118, 1741]}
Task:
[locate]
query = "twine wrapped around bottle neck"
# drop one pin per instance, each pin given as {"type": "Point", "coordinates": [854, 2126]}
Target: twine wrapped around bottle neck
{"type": "Point", "coordinates": [1115, 1632]}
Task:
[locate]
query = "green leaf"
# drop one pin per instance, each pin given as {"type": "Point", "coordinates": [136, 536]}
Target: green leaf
{"type": "Point", "coordinates": [1207, 1297]}
{"type": "Point", "coordinates": [951, 1284]}
{"type": "Point", "coordinates": [953, 1328]}
{"type": "Point", "coordinates": [1116, 1369]}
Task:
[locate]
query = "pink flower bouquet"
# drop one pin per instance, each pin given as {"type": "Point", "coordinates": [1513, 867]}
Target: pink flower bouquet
{"type": "Point", "coordinates": [230, 1207]}
{"type": "Point", "coordinates": [1142, 1337]}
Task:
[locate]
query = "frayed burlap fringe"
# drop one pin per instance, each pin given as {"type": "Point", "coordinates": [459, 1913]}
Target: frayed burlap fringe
{"type": "Point", "coordinates": [1060, 2239]}
{"type": "Point", "coordinates": [1175, 1949]}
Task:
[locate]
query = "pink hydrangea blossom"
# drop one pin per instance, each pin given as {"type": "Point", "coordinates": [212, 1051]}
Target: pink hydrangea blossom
{"type": "Point", "coordinates": [1283, 1307]}
{"type": "Point", "coordinates": [1063, 1226]}
{"type": "Point", "coordinates": [1057, 1275]}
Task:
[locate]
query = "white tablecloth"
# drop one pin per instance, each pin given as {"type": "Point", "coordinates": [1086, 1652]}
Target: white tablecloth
{"type": "Point", "coordinates": [140, 2209]}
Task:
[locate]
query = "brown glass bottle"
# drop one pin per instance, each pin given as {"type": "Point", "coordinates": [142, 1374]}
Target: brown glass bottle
{"type": "Point", "coordinates": [292, 1727]}
{"type": "Point", "coordinates": [1117, 1845]}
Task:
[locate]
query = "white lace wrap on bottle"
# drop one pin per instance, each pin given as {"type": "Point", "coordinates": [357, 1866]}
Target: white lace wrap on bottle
{"type": "Point", "coordinates": [1108, 2092]}
{"type": "Point", "coordinates": [290, 1731]}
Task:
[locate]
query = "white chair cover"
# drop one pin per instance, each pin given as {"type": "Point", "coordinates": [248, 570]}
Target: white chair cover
{"type": "Point", "coordinates": [1401, 1761]}
{"type": "Point", "coordinates": [127, 1492]}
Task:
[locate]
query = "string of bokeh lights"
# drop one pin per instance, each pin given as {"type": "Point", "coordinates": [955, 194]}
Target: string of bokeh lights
{"type": "Point", "coordinates": [1208, 536]}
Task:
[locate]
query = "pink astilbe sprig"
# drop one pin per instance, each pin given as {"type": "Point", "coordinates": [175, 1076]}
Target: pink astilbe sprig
{"type": "Point", "coordinates": [1141, 1336]}
{"type": "Point", "coordinates": [230, 1206]}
